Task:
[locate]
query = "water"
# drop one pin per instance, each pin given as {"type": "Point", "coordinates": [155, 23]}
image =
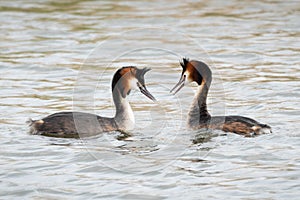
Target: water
{"type": "Point", "coordinates": [61, 56]}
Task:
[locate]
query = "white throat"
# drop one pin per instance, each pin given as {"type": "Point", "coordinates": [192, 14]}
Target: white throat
{"type": "Point", "coordinates": [124, 115]}
{"type": "Point", "coordinates": [193, 115]}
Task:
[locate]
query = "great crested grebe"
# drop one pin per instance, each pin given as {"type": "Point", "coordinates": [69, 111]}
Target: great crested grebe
{"type": "Point", "coordinates": [75, 124]}
{"type": "Point", "coordinates": [199, 117]}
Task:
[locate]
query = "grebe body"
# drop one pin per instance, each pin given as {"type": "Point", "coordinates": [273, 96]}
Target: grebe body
{"type": "Point", "coordinates": [199, 117]}
{"type": "Point", "coordinates": [77, 124]}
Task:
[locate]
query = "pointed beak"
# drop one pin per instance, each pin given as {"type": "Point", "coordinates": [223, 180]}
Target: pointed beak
{"type": "Point", "coordinates": [144, 91]}
{"type": "Point", "coordinates": [179, 85]}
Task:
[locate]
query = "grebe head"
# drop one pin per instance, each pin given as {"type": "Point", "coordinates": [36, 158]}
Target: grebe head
{"type": "Point", "coordinates": [128, 78]}
{"type": "Point", "coordinates": [193, 71]}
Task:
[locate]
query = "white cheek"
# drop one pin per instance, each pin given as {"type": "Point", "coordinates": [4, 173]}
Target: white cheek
{"type": "Point", "coordinates": [188, 78]}
{"type": "Point", "coordinates": [133, 83]}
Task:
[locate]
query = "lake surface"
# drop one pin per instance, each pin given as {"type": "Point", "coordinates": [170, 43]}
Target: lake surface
{"type": "Point", "coordinates": [60, 56]}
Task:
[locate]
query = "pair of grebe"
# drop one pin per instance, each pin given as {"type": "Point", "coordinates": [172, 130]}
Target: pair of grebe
{"type": "Point", "coordinates": [75, 124]}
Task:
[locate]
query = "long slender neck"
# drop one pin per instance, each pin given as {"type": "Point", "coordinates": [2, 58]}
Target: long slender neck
{"type": "Point", "coordinates": [124, 115]}
{"type": "Point", "coordinates": [198, 113]}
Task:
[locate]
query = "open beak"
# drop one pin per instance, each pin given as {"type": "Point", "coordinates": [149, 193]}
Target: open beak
{"type": "Point", "coordinates": [144, 91]}
{"type": "Point", "coordinates": [179, 85]}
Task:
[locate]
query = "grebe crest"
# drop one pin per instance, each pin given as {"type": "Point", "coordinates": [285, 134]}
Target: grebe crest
{"type": "Point", "coordinates": [193, 71]}
{"type": "Point", "coordinates": [130, 77]}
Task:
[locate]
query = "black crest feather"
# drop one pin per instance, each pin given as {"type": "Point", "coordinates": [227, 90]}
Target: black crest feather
{"type": "Point", "coordinates": [140, 74]}
{"type": "Point", "coordinates": [184, 63]}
